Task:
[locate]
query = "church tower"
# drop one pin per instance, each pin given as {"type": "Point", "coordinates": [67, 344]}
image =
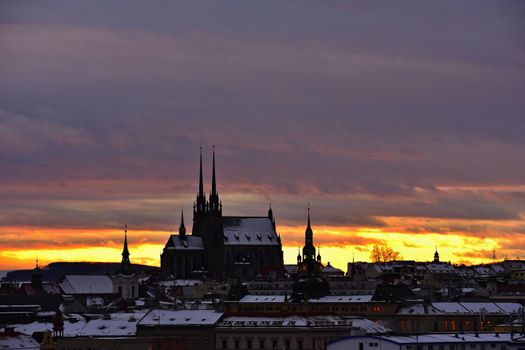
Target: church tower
{"type": "Point", "coordinates": [308, 249]}
{"type": "Point", "coordinates": [125, 278]}
{"type": "Point", "coordinates": [436, 256]}
{"type": "Point", "coordinates": [214, 206]}
{"type": "Point", "coordinates": [199, 207]}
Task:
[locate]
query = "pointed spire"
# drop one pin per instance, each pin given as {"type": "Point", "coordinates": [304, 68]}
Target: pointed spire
{"type": "Point", "coordinates": [270, 211]}
{"type": "Point", "coordinates": [201, 182]}
{"type": "Point", "coordinates": [308, 227]}
{"type": "Point", "coordinates": [125, 251]}
{"type": "Point", "coordinates": [213, 180]}
{"type": "Point", "coordinates": [182, 228]}
{"type": "Point", "coordinates": [125, 267]}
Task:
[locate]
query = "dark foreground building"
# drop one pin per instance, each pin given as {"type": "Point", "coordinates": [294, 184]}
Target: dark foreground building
{"type": "Point", "coordinates": [222, 247]}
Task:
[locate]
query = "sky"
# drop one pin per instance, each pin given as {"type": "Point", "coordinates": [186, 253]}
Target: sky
{"type": "Point", "coordinates": [402, 123]}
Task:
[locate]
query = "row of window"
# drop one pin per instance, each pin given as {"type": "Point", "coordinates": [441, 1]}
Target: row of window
{"type": "Point", "coordinates": [274, 343]}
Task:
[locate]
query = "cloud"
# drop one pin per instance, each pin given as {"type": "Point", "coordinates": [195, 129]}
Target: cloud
{"type": "Point", "coordinates": [385, 119]}
{"type": "Point", "coordinates": [20, 133]}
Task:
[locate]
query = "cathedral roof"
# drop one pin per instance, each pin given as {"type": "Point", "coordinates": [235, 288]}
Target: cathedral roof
{"type": "Point", "coordinates": [186, 243]}
{"type": "Point", "coordinates": [242, 230]}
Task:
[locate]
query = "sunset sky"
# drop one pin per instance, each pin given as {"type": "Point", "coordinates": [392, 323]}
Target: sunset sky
{"type": "Point", "coordinates": [400, 122]}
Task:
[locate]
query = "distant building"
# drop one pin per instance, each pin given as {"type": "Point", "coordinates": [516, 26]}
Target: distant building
{"type": "Point", "coordinates": [125, 279]}
{"type": "Point", "coordinates": [222, 247]}
{"type": "Point", "coordinates": [424, 341]}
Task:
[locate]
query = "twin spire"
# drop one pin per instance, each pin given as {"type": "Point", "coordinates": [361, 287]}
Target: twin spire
{"type": "Point", "coordinates": [203, 208]}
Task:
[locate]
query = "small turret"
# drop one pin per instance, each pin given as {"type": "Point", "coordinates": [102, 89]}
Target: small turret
{"type": "Point", "coordinates": [125, 267]}
{"type": "Point", "coordinates": [36, 277]}
{"type": "Point", "coordinates": [436, 256]}
{"type": "Point", "coordinates": [319, 254]}
{"type": "Point", "coordinates": [182, 228]}
{"type": "Point", "coordinates": [298, 255]}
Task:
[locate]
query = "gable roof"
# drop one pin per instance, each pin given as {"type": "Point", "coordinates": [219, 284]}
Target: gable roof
{"type": "Point", "coordinates": [189, 242]}
{"type": "Point", "coordinates": [258, 230]}
{"type": "Point", "coordinates": [86, 284]}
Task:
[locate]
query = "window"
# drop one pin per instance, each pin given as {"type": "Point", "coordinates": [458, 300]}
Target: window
{"type": "Point", "coordinates": [249, 343]}
{"type": "Point", "coordinates": [236, 343]}
{"type": "Point", "coordinates": [261, 344]}
{"type": "Point", "coordinates": [472, 346]}
{"type": "Point", "coordinates": [287, 344]}
{"type": "Point", "coordinates": [503, 347]}
{"type": "Point", "coordinates": [133, 291]}
{"type": "Point", "coordinates": [300, 344]}
{"type": "Point", "coordinates": [492, 346]}
{"type": "Point", "coordinates": [274, 344]}
{"type": "Point", "coordinates": [373, 345]}
{"type": "Point", "coordinates": [224, 344]}
{"type": "Point", "coordinates": [430, 347]}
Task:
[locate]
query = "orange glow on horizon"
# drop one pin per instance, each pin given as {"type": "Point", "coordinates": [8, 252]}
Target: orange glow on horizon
{"type": "Point", "coordinates": [338, 245]}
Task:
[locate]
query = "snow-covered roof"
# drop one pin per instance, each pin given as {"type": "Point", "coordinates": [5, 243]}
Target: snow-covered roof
{"type": "Point", "coordinates": [71, 329]}
{"type": "Point", "coordinates": [441, 268]}
{"type": "Point", "coordinates": [86, 284]}
{"type": "Point", "coordinates": [189, 242]}
{"type": "Point", "coordinates": [477, 307]}
{"type": "Point", "coordinates": [249, 231]}
{"type": "Point", "coordinates": [262, 299]}
{"type": "Point", "coordinates": [497, 268]}
{"type": "Point", "coordinates": [180, 318]}
{"type": "Point", "coordinates": [118, 324]}
{"type": "Point", "coordinates": [18, 341]}
{"type": "Point", "coordinates": [510, 308]}
{"type": "Point", "coordinates": [252, 298]}
{"type": "Point", "coordinates": [302, 321]}
{"type": "Point", "coordinates": [447, 338]}
{"type": "Point", "coordinates": [343, 299]}
{"type": "Point", "coordinates": [419, 309]}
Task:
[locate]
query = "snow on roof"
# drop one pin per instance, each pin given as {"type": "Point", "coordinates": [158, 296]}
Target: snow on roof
{"type": "Point", "coordinates": [118, 324]}
{"type": "Point", "coordinates": [251, 298]}
{"type": "Point", "coordinates": [249, 231]}
{"type": "Point", "coordinates": [189, 242]}
{"type": "Point", "coordinates": [477, 307]}
{"type": "Point", "coordinates": [497, 268]}
{"type": "Point", "coordinates": [343, 299]}
{"type": "Point", "coordinates": [419, 309]}
{"type": "Point", "coordinates": [262, 299]}
{"type": "Point", "coordinates": [369, 326]}
{"type": "Point", "coordinates": [490, 308]}
{"type": "Point", "coordinates": [450, 307]}
{"type": "Point", "coordinates": [303, 321]}
{"type": "Point", "coordinates": [71, 329]}
{"type": "Point", "coordinates": [180, 318]}
{"type": "Point", "coordinates": [447, 338]}
{"type": "Point", "coordinates": [18, 341]}
{"type": "Point", "coordinates": [441, 268]}
{"type": "Point", "coordinates": [510, 308]}
{"type": "Point", "coordinates": [86, 284]}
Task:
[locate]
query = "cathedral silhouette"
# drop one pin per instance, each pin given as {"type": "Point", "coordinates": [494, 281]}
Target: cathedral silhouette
{"type": "Point", "coordinates": [222, 247]}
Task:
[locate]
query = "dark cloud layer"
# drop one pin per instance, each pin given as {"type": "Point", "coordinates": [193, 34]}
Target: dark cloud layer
{"type": "Point", "coordinates": [367, 110]}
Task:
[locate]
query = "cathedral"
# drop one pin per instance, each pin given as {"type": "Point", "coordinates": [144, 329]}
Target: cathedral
{"type": "Point", "coordinates": [222, 247]}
